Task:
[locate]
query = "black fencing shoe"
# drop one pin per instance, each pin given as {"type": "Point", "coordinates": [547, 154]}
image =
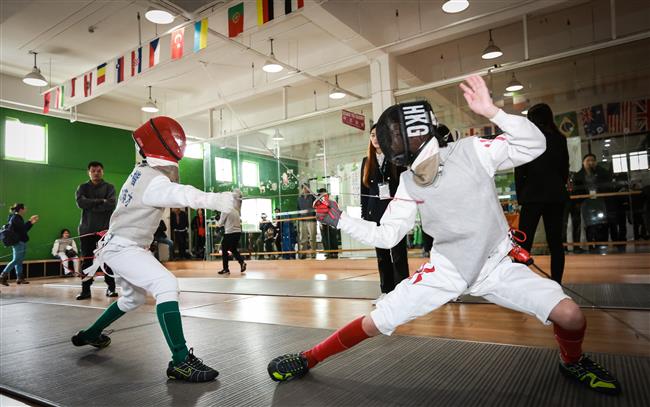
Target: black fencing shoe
{"type": "Point", "coordinates": [100, 342]}
{"type": "Point", "coordinates": [592, 375]}
{"type": "Point", "coordinates": [224, 271]}
{"type": "Point", "coordinates": [288, 367]}
{"type": "Point", "coordinates": [191, 369]}
{"type": "Point", "coordinates": [243, 266]}
{"type": "Point", "coordinates": [110, 293]}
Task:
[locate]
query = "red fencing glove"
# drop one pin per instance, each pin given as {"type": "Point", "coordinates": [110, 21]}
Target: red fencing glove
{"type": "Point", "coordinates": [327, 211]}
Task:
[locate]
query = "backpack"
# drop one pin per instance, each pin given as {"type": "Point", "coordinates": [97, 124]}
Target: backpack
{"type": "Point", "coordinates": [7, 235]}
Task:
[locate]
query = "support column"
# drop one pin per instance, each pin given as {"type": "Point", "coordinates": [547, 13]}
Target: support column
{"type": "Point", "coordinates": [383, 83]}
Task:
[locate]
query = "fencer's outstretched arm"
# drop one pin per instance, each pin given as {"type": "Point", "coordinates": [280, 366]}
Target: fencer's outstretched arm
{"type": "Point", "coordinates": [398, 219]}
{"type": "Point", "coordinates": [521, 142]}
{"type": "Point", "coordinates": [162, 193]}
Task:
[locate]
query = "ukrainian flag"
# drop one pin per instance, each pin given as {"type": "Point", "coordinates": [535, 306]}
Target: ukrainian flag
{"type": "Point", "coordinates": [200, 35]}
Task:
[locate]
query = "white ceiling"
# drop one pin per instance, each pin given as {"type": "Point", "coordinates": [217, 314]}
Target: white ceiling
{"type": "Point", "coordinates": [324, 39]}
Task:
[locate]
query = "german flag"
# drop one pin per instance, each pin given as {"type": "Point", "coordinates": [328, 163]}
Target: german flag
{"type": "Point", "coordinates": [264, 11]}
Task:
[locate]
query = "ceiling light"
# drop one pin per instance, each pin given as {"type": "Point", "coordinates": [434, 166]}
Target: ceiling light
{"type": "Point", "coordinates": [159, 16]}
{"type": "Point", "coordinates": [277, 136]}
{"type": "Point", "coordinates": [34, 78]}
{"type": "Point", "coordinates": [455, 6]}
{"type": "Point", "coordinates": [270, 65]}
{"type": "Point", "coordinates": [337, 92]}
{"type": "Point", "coordinates": [491, 51]}
{"type": "Point", "coordinates": [514, 84]}
{"type": "Point", "coordinates": [608, 140]}
{"type": "Point", "coordinates": [150, 106]}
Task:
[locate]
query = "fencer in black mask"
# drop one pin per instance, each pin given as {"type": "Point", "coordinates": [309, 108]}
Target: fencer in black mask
{"type": "Point", "coordinates": [409, 135]}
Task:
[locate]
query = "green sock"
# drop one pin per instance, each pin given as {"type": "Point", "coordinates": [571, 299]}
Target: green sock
{"type": "Point", "coordinates": [169, 317]}
{"type": "Point", "coordinates": [110, 315]}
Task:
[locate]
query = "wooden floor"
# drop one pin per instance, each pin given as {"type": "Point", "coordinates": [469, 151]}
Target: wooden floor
{"type": "Point", "coordinates": [474, 322]}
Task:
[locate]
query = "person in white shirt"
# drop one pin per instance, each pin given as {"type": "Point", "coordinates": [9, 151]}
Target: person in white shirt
{"type": "Point", "coordinates": [65, 249]}
{"type": "Point", "coordinates": [231, 222]}
{"type": "Point", "coordinates": [452, 186]}
{"type": "Point", "coordinates": [151, 187]}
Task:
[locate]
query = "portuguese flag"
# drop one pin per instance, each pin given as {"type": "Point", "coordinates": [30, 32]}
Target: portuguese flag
{"type": "Point", "coordinates": [264, 11]}
{"type": "Point", "coordinates": [235, 20]}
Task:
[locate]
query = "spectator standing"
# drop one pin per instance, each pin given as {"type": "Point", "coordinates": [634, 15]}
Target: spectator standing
{"type": "Point", "coordinates": [231, 221]}
{"type": "Point", "coordinates": [572, 209]}
{"type": "Point", "coordinates": [541, 189]}
{"type": "Point", "coordinates": [329, 235]}
{"type": "Point", "coordinates": [20, 228]}
{"type": "Point", "coordinates": [96, 199]}
{"type": "Point", "coordinates": [278, 230]}
{"type": "Point", "coordinates": [593, 179]}
{"type": "Point", "coordinates": [65, 249]}
{"type": "Point", "coordinates": [179, 225]}
{"type": "Point", "coordinates": [306, 228]}
{"type": "Point", "coordinates": [264, 226]}
{"type": "Point", "coordinates": [379, 181]}
{"type": "Point", "coordinates": [198, 227]}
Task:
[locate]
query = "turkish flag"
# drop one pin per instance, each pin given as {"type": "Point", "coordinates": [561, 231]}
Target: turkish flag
{"type": "Point", "coordinates": [178, 39]}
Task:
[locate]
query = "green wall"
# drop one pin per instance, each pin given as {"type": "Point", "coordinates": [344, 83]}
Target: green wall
{"type": "Point", "coordinates": [49, 189]}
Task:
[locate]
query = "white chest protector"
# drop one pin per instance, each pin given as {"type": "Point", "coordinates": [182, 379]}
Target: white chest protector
{"type": "Point", "coordinates": [132, 219]}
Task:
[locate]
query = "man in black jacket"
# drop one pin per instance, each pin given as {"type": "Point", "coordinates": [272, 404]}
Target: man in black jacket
{"type": "Point", "coordinates": [179, 225]}
{"type": "Point", "coordinates": [96, 199]}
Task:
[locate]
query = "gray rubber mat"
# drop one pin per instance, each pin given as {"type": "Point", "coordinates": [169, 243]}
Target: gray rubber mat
{"type": "Point", "coordinates": [379, 372]}
{"type": "Point", "coordinates": [628, 296]}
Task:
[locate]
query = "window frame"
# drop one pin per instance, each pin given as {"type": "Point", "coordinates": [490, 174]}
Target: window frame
{"type": "Point", "coordinates": [243, 176]}
{"type": "Point", "coordinates": [23, 159]}
{"type": "Point", "coordinates": [217, 167]}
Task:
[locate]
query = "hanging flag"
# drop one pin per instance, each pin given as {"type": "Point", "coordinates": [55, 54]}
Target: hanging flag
{"type": "Point", "coordinates": [264, 11]}
{"type": "Point", "coordinates": [88, 84]}
{"type": "Point", "coordinates": [73, 85]}
{"type": "Point", "coordinates": [567, 123]}
{"type": "Point", "coordinates": [154, 52]}
{"type": "Point", "coordinates": [200, 35]}
{"type": "Point", "coordinates": [119, 67]}
{"type": "Point", "coordinates": [593, 120]}
{"type": "Point", "coordinates": [136, 61]}
{"type": "Point", "coordinates": [235, 20]}
{"type": "Point", "coordinates": [101, 73]}
{"type": "Point", "coordinates": [178, 39]}
{"type": "Point", "coordinates": [60, 93]}
{"type": "Point", "coordinates": [619, 117]}
{"type": "Point", "coordinates": [291, 5]}
{"type": "Point", "coordinates": [641, 115]}
{"type": "Point", "coordinates": [46, 102]}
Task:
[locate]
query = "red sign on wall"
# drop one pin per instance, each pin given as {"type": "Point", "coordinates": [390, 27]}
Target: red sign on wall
{"type": "Point", "coordinates": [353, 119]}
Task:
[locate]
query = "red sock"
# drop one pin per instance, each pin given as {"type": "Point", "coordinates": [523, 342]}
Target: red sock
{"type": "Point", "coordinates": [344, 338]}
{"type": "Point", "coordinates": [570, 342]}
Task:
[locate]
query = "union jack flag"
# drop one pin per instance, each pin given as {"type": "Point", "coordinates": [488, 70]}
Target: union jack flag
{"type": "Point", "coordinates": [641, 115]}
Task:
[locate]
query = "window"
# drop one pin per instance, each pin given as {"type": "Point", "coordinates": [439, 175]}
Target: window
{"type": "Point", "coordinates": [619, 163]}
{"type": "Point", "coordinates": [194, 150]}
{"type": "Point", "coordinates": [223, 169]}
{"type": "Point", "coordinates": [250, 174]}
{"type": "Point", "coordinates": [251, 212]}
{"type": "Point", "coordinates": [25, 142]}
{"type": "Point", "coordinates": [638, 160]}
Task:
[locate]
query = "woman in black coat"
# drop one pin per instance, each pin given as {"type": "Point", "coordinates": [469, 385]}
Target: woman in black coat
{"type": "Point", "coordinates": [19, 229]}
{"type": "Point", "coordinates": [541, 189]}
{"type": "Point", "coordinates": [377, 174]}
